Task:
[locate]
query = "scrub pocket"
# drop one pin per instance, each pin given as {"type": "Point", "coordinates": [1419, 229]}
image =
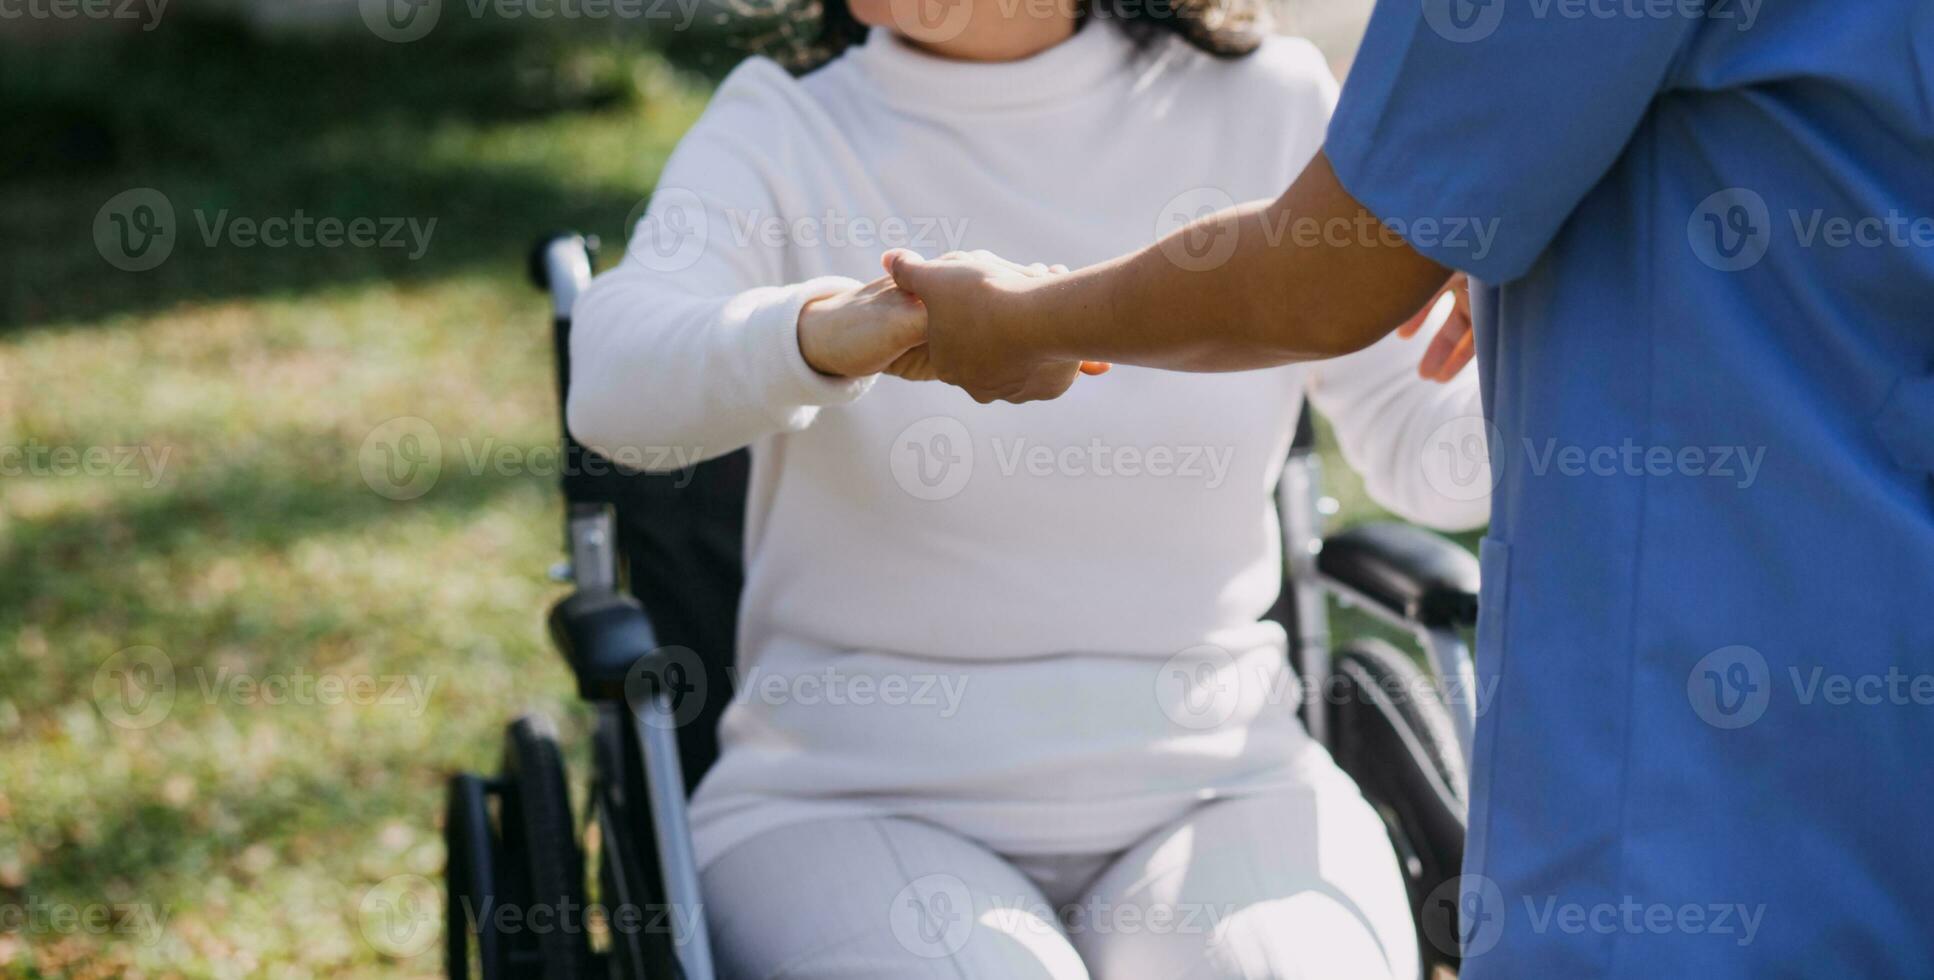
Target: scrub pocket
{"type": "Point", "coordinates": [1494, 563]}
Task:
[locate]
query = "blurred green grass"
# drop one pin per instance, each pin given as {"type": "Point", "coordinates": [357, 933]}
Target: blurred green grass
{"type": "Point", "coordinates": [254, 831]}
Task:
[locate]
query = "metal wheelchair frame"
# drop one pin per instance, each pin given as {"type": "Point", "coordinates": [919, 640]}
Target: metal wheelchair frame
{"type": "Point", "coordinates": [639, 781]}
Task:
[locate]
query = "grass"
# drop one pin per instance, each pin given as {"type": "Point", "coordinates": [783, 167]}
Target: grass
{"type": "Point", "coordinates": [243, 832]}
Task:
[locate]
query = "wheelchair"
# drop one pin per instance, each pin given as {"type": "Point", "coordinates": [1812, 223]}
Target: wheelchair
{"type": "Point", "coordinates": [648, 633]}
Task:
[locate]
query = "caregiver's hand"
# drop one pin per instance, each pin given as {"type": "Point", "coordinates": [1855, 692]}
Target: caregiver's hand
{"type": "Point", "coordinates": [977, 335]}
{"type": "Point", "coordinates": [864, 330]}
{"type": "Point", "coordinates": [1454, 345]}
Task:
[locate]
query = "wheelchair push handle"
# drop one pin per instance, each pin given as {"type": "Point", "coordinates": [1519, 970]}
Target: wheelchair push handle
{"type": "Point", "coordinates": [560, 264]}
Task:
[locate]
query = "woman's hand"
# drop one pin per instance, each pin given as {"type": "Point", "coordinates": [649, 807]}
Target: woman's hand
{"type": "Point", "coordinates": [982, 264]}
{"type": "Point", "coordinates": [1453, 346]}
{"type": "Point", "coordinates": [861, 331]}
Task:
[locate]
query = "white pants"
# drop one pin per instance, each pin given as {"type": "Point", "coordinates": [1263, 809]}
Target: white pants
{"type": "Point", "coordinates": [1296, 883]}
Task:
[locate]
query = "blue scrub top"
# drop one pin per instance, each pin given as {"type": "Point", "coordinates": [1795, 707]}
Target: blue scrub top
{"type": "Point", "coordinates": [1707, 348]}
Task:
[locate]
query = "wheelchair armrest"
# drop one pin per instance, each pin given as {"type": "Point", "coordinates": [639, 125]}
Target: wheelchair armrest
{"type": "Point", "coordinates": [601, 635]}
{"type": "Point", "coordinates": [1410, 572]}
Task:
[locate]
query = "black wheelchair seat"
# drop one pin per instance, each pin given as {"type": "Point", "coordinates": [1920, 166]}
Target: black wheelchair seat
{"type": "Point", "coordinates": [1405, 569]}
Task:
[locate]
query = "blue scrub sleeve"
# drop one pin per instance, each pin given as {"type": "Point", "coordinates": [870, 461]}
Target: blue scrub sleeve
{"type": "Point", "coordinates": [1473, 128]}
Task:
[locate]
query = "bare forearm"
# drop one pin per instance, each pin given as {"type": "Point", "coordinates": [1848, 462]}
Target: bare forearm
{"type": "Point", "coordinates": [1310, 275]}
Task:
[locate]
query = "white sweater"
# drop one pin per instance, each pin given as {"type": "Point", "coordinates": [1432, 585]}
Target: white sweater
{"type": "Point", "coordinates": [1040, 625]}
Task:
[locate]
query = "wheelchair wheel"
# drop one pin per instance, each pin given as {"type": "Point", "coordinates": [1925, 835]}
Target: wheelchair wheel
{"type": "Point", "coordinates": [548, 875]}
{"type": "Point", "coordinates": [471, 948]}
{"type": "Point", "coordinates": [1397, 742]}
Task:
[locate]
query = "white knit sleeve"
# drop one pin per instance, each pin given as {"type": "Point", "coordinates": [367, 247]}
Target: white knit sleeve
{"type": "Point", "coordinates": [1408, 436]}
{"type": "Point", "coordinates": [688, 348]}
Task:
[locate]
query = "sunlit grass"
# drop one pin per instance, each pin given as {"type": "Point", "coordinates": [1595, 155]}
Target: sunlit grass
{"type": "Point", "coordinates": [233, 531]}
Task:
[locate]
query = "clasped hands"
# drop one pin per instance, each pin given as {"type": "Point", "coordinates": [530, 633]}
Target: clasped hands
{"type": "Point", "coordinates": [981, 343]}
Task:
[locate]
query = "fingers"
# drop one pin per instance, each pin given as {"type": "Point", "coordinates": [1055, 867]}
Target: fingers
{"type": "Point", "coordinates": [1460, 355]}
{"type": "Point", "coordinates": [908, 269]}
{"type": "Point", "coordinates": [914, 365]}
{"type": "Point", "coordinates": [1431, 309]}
{"type": "Point", "coordinates": [1450, 350]}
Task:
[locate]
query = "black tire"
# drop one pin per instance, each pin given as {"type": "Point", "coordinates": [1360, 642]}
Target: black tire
{"type": "Point", "coordinates": [1401, 749]}
{"type": "Point", "coordinates": [1374, 661]}
{"type": "Point", "coordinates": [537, 823]}
{"type": "Point", "coordinates": [470, 883]}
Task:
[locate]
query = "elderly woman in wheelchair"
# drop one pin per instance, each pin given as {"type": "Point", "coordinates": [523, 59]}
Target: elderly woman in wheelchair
{"type": "Point", "coordinates": [1038, 691]}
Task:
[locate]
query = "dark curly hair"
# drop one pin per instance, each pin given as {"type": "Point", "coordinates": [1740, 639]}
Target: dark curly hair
{"type": "Point", "coordinates": [1221, 28]}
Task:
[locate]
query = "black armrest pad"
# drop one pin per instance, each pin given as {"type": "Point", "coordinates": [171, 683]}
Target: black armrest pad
{"type": "Point", "coordinates": [1412, 572]}
{"type": "Point", "coordinates": [601, 635]}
